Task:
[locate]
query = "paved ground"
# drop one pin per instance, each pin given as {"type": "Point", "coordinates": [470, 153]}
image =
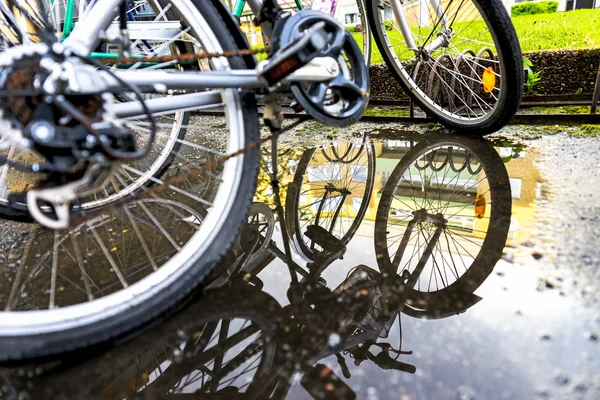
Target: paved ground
{"type": "Point", "coordinates": [534, 335]}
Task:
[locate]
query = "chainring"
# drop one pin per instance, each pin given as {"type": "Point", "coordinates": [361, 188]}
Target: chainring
{"type": "Point", "coordinates": [341, 101]}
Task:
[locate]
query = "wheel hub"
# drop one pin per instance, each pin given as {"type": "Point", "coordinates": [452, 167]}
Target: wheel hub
{"type": "Point", "coordinates": [436, 219]}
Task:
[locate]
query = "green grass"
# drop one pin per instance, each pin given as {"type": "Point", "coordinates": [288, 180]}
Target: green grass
{"type": "Point", "coordinates": [564, 30]}
{"type": "Point", "coordinates": [380, 112]}
{"type": "Point", "coordinates": [578, 29]}
{"type": "Point", "coordinates": [587, 130]}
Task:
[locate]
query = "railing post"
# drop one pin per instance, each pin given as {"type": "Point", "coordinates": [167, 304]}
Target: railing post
{"type": "Point", "coordinates": [596, 96]}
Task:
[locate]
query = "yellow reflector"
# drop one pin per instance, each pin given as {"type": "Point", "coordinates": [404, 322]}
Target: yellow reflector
{"type": "Point", "coordinates": [489, 79]}
{"type": "Point", "coordinates": [480, 204]}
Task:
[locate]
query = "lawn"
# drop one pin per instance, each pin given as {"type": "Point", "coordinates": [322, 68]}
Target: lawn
{"type": "Point", "coordinates": [562, 30]}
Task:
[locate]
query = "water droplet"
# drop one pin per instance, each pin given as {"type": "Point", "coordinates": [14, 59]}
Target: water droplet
{"type": "Point", "coordinates": [465, 393]}
{"type": "Point", "coordinates": [561, 378]}
{"type": "Point", "coordinates": [334, 340]}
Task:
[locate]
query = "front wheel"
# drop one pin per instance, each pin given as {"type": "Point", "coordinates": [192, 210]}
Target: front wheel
{"type": "Point", "coordinates": [332, 189]}
{"type": "Point", "coordinates": [66, 290]}
{"type": "Point", "coordinates": [443, 218]}
{"type": "Point", "coordinates": [462, 64]}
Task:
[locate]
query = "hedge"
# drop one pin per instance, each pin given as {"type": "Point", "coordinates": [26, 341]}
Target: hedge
{"type": "Point", "coordinates": [537, 7]}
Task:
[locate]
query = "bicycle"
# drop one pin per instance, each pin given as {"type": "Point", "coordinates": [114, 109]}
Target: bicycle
{"type": "Point", "coordinates": [69, 115]}
{"type": "Point", "coordinates": [444, 215]}
{"type": "Point", "coordinates": [459, 61]}
{"type": "Point", "coordinates": [332, 189]}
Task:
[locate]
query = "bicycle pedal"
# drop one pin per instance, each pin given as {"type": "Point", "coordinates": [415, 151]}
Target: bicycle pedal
{"type": "Point", "coordinates": [324, 239]}
{"type": "Point", "coordinates": [295, 55]}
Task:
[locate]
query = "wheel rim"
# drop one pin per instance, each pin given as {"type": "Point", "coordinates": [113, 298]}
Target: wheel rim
{"type": "Point", "coordinates": [333, 193]}
{"type": "Point", "coordinates": [473, 206]}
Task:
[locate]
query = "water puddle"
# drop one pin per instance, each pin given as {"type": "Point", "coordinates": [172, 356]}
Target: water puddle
{"type": "Point", "coordinates": [408, 285]}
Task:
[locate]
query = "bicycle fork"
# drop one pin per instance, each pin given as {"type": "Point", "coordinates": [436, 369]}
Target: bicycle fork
{"type": "Point", "coordinates": [419, 216]}
{"type": "Point", "coordinates": [405, 29]}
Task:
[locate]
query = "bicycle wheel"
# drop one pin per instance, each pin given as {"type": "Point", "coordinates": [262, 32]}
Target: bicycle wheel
{"type": "Point", "coordinates": [65, 290]}
{"type": "Point", "coordinates": [155, 35]}
{"type": "Point", "coordinates": [443, 217]}
{"type": "Point", "coordinates": [234, 328]}
{"type": "Point", "coordinates": [462, 64]}
{"type": "Point", "coordinates": [228, 350]}
{"type": "Point", "coordinates": [332, 188]}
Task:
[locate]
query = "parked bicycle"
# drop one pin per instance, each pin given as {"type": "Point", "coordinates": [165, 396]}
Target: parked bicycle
{"type": "Point", "coordinates": [99, 140]}
{"type": "Point", "coordinates": [459, 61]}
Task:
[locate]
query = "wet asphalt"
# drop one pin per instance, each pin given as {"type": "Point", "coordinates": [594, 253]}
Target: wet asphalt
{"type": "Point", "coordinates": [532, 333]}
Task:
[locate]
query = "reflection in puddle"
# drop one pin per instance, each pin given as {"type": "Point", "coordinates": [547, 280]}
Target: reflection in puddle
{"type": "Point", "coordinates": [398, 290]}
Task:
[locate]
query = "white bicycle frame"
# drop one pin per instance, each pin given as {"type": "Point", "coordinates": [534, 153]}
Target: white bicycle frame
{"type": "Point", "coordinates": [400, 15]}
{"type": "Point", "coordinates": [86, 36]}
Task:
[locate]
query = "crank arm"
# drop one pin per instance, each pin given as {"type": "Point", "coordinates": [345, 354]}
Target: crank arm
{"type": "Point", "coordinates": [296, 54]}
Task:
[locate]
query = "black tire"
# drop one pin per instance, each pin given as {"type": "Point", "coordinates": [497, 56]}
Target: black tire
{"type": "Point", "coordinates": [124, 322]}
{"type": "Point", "coordinates": [112, 370]}
{"type": "Point", "coordinates": [292, 204]}
{"type": "Point", "coordinates": [496, 234]}
{"type": "Point", "coordinates": [509, 55]}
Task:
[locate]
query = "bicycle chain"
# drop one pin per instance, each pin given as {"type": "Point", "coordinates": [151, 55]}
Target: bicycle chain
{"type": "Point", "coordinates": [180, 179]}
{"type": "Point", "coordinates": [184, 57]}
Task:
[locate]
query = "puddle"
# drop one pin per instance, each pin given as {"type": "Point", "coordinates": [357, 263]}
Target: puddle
{"type": "Point", "coordinates": [475, 325]}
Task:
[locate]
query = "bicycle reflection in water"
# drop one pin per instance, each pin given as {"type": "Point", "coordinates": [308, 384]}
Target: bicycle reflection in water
{"type": "Point", "coordinates": [442, 219]}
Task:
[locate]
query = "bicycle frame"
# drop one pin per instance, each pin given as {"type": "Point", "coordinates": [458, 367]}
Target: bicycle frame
{"type": "Point", "coordinates": [400, 15]}
{"type": "Point", "coordinates": [84, 39]}
{"type": "Point", "coordinates": [238, 7]}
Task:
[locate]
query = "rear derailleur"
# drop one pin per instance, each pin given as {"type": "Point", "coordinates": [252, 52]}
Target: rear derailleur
{"type": "Point", "coordinates": [57, 108]}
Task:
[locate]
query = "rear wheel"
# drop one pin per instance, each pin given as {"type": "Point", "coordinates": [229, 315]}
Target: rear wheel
{"type": "Point", "coordinates": [65, 290]}
{"type": "Point", "coordinates": [332, 189]}
{"type": "Point", "coordinates": [462, 66]}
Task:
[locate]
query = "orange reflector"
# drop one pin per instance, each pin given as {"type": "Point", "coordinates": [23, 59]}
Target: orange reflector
{"type": "Point", "coordinates": [480, 204]}
{"type": "Point", "coordinates": [489, 79]}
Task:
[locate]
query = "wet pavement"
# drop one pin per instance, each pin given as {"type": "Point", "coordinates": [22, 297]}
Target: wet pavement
{"type": "Point", "coordinates": [503, 234]}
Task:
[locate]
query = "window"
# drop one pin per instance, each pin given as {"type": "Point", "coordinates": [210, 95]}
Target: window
{"type": "Point", "coordinates": [359, 174]}
{"type": "Point", "coordinates": [388, 13]}
{"type": "Point", "coordinates": [351, 18]}
{"type": "Point", "coordinates": [515, 188]}
{"type": "Point", "coordinates": [356, 203]}
{"type": "Point", "coordinates": [329, 205]}
{"type": "Point", "coordinates": [322, 173]}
